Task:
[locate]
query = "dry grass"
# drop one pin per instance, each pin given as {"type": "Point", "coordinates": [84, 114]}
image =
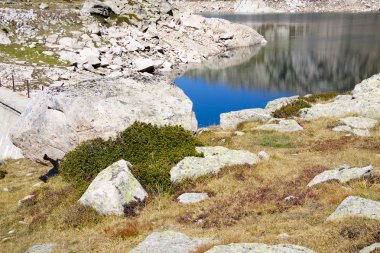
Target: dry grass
{"type": "Point", "coordinates": [246, 201]}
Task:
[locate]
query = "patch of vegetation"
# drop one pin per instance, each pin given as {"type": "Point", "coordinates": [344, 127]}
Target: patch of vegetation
{"type": "Point", "coordinates": [292, 109]}
{"type": "Point", "coordinates": [274, 140]}
{"type": "Point", "coordinates": [31, 55]}
{"type": "Point", "coordinates": [151, 149]}
{"type": "Point", "coordinates": [3, 173]}
{"type": "Point", "coordinates": [320, 97]}
{"type": "Point", "coordinates": [77, 216]}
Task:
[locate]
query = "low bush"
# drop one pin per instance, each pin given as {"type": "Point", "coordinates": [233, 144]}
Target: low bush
{"type": "Point", "coordinates": [292, 109]}
{"type": "Point", "coordinates": [322, 97]}
{"type": "Point", "coordinates": [152, 150]}
{"type": "Point", "coordinates": [77, 215]}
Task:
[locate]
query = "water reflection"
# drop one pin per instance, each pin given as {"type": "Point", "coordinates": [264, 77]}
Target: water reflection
{"type": "Point", "coordinates": [306, 53]}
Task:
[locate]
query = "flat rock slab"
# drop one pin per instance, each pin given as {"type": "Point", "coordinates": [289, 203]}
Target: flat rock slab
{"type": "Point", "coordinates": [60, 118]}
{"type": "Point", "coordinates": [342, 174]}
{"type": "Point", "coordinates": [41, 248]}
{"type": "Point", "coordinates": [359, 122]}
{"type": "Point", "coordinates": [356, 207]}
{"type": "Point", "coordinates": [231, 120]}
{"type": "Point", "coordinates": [168, 242]}
{"type": "Point", "coordinates": [371, 248]}
{"type": "Point", "coordinates": [259, 248]}
{"type": "Point", "coordinates": [192, 197]}
{"type": "Point", "coordinates": [215, 158]}
{"type": "Point", "coordinates": [282, 125]}
{"type": "Point", "coordinates": [112, 189]}
{"type": "Point", "coordinates": [363, 101]}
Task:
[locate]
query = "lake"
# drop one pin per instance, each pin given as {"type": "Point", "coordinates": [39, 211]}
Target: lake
{"type": "Point", "coordinates": [306, 53]}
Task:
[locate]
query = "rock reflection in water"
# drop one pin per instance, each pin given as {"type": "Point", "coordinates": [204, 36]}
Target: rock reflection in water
{"type": "Point", "coordinates": [306, 53]}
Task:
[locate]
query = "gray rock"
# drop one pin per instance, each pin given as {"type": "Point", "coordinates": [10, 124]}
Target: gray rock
{"type": "Point", "coordinates": [2, 162]}
{"type": "Point", "coordinates": [348, 129]}
{"type": "Point", "coordinates": [371, 248]}
{"type": "Point", "coordinates": [263, 155]}
{"type": "Point", "coordinates": [168, 242]}
{"type": "Point", "coordinates": [90, 56]}
{"type": "Point", "coordinates": [4, 39]}
{"type": "Point", "coordinates": [60, 118]}
{"type": "Point", "coordinates": [44, 6]}
{"type": "Point", "coordinates": [280, 102]}
{"type": "Point", "coordinates": [231, 120]}
{"type": "Point", "coordinates": [69, 43]}
{"type": "Point", "coordinates": [26, 198]}
{"type": "Point", "coordinates": [93, 28]}
{"type": "Point", "coordinates": [356, 207]}
{"type": "Point", "coordinates": [215, 158]}
{"type": "Point", "coordinates": [144, 65]}
{"type": "Point", "coordinates": [365, 102]}
{"type": "Point", "coordinates": [145, 10]}
{"type": "Point", "coordinates": [258, 248]}
{"type": "Point", "coordinates": [342, 174]}
{"type": "Point", "coordinates": [252, 6]}
{"type": "Point", "coordinates": [281, 125]}
{"type": "Point", "coordinates": [359, 122]}
{"type": "Point", "coordinates": [41, 248]}
{"type": "Point", "coordinates": [192, 197]}
{"type": "Point", "coordinates": [113, 188]}
{"type": "Point", "coordinates": [283, 236]}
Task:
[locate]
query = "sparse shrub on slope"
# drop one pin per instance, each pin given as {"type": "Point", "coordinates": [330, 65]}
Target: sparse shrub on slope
{"type": "Point", "coordinates": [3, 173]}
{"type": "Point", "coordinates": [152, 150]}
{"type": "Point", "coordinates": [292, 109]}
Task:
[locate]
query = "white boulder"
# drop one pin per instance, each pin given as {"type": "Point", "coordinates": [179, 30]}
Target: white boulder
{"type": "Point", "coordinates": [144, 64]}
{"type": "Point", "coordinates": [231, 120]}
{"type": "Point", "coordinates": [356, 207]}
{"type": "Point", "coordinates": [259, 248]}
{"type": "Point", "coordinates": [359, 122]}
{"type": "Point", "coordinates": [168, 242]}
{"type": "Point", "coordinates": [113, 188]}
{"type": "Point", "coordinates": [60, 118]}
{"type": "Point", "coordinates": [364, 101]}
{"type": "Point", "coordinates": [215, 158]}
{"type": "Point", "coordinates": [342, 174]}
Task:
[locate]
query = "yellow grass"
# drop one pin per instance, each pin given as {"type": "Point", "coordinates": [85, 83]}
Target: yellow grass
{"type": "Point", "coordinates": [247, 203]}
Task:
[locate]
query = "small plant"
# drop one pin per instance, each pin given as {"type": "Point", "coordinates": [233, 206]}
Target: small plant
{"type": "Point", "coordinates": [77, 215]}
{"type": "Point", "coordinates": [323, 97]}
{"type": "Point", "coordinates": [3, 173]}
{"type": "Point", "coordinates": [128, 229]}
{"type": "Point", "coordinates": [152, 150]}
{"type": "Point", "coordinates": [292, 109]}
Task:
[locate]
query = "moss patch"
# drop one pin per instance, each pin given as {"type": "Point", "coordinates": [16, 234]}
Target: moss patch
{"type": "Point", "coordinates": [31, 55]}
{"type": "Point", "coordinates": [152, 151]}
{"type": "Point", "coordinates": [320, 97]}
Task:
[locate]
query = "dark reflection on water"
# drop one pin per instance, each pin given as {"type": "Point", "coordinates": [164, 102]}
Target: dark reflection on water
{"type": "Point", "coordinates": [306, 53]}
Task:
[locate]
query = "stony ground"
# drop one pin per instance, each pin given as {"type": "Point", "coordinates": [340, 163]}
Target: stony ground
{"type": "Point", "coordinates": [246, 205]}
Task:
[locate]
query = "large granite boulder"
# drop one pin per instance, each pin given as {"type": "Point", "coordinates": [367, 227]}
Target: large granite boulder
{"type": "Point", "coordinates": [60, 118]}
{"type": "Point", "coordinates": [231, 120]}
{"type": "Point", "coordinates": [215, 158]}
{"type": "Point", "coordinates": [363, 101]}
{"type": "Point", "coordinates": [356, 207]}
{"type": "Point", "coordinates": [259, 248]}
{"type": "Point", "coordinates": [143, 9]}
{"type": "Point", "coordinates": [342, 174]}
{"type": "Point", "coordinates": [112, 189]}
{"type": "Point", "coordinates": [168, 242]}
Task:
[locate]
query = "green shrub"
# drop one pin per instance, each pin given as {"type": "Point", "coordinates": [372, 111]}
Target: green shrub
{"type": "Point", "coordinates": [152, 151]}
{"type": "Point", "coordinates": [320, 97]}
{"type": "Point", "coordinates": [292, 109]}
{"type": "Point", "coordinates": [3, 173]}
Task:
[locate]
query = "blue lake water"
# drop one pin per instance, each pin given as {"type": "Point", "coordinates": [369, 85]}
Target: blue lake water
{"type": "Point", "coordinates": [306, 53]}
